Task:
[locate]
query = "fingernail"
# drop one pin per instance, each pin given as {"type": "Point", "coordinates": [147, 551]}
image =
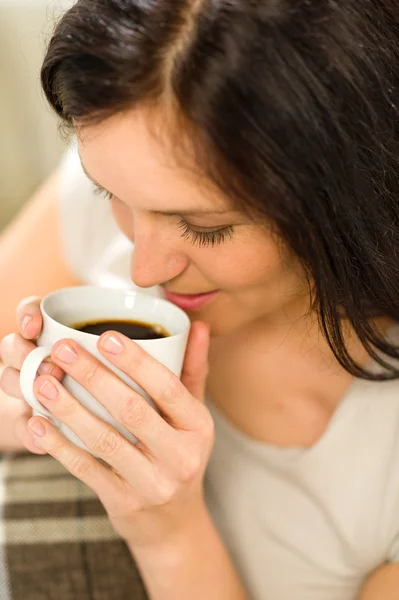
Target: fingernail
{"type": "Point", "coordinates": [66, 354]}
{"type": "Point", "coordinates": [48, 390]}
{"type": "Point", "coordinates": [45, 369]}
{"type": "Point", "coordinates": [111, 344]}
{"type": "Point", "coordinates": [25, 322]}
{"type": "Point", "coordinates": [37, 428]}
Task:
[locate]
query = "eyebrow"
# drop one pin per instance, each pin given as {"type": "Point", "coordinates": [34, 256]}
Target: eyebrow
{"type": "Point", "coordinates": [171, 213]}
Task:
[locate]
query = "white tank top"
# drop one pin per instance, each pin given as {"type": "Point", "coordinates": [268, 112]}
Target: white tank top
{"type": "Point", "coordinates": [299, 524]}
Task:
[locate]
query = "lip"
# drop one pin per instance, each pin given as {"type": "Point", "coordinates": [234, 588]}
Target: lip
{"type": "Point", "coordinates": [192, 301]}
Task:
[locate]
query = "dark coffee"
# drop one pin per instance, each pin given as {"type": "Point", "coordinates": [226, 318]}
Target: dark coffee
{"type": "Point", "coordinates": [135, 330]}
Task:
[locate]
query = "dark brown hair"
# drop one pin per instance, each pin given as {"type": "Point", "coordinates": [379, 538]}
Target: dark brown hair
{"type": "Point", "coordinates": [296, 104]}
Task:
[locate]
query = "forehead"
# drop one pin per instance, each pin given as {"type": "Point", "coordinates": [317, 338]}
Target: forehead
{"type": "Point", "coordinates": [132, 156]}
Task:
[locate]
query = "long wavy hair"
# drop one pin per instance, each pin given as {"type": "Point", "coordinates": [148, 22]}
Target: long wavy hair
{"type": "Point", "coordinates": [292, 108]}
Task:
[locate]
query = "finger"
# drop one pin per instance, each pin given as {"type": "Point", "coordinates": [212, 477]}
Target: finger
{"type": "Point", "coordinates": [196, 364]}
{"type": "Point", "coordinates": [78, 462]}
{"type": "Point", "coordinates": [173, 399]}
{"type": "Point", "coordinates": [127, 406]}
{"type": "Point", "coordinates": [14, 349]}
{"type": "Point", "coordinates": [99, 437]}
{"type": "Point", "coordinates": [10, 379]}
{"type": "Point", "coordinates": [24, 435]}
{"type": "Point", "coordinates": [96, 434]}
{"type": "Point", "coordinates": [171, 396]}
{"type": "Point", "coordinates": [29, 317]}
{"type": "Point", "coordinates": [9, 383]}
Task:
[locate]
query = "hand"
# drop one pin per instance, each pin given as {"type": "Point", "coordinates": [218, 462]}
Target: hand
{"type": "Point", "coordinates": [14, 349]}
{"type": "Point", "coordinates": [151, 491]}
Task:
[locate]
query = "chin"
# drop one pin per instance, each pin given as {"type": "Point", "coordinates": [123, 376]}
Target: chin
{"type": "Point", "coordinates": [222, 315]}
{"type": "Point", "coordinates": [218, 326]}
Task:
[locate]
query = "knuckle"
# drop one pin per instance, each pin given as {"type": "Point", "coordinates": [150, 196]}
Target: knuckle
{"type": "Point", "coordinates": [67, 411]}
{"type": "Point", "coordinates": [207, 428]}
{"type": "Point", "coordinates": [5, 375]}
{"type": "Point", "coordinates": [171, 389]}
{"type": "Point", "coordinates": [58, 449]}
{"type": "Point", "coordinates": [166, 491]}
{"type": "Point", "coordinates": [32, 302]}
{"type": "Point", "coordinates": [24, 350]}
{"type": "Point", "coordinates": [7, 343]}
{"type": "Point", "coordinates": [14, 350]}
{"type": "Point", "coordinates": [108, 444]}
{"type": "Point", "coordinates": [9, 382]}
{"type": "Point", "coordinates": [81, 468]}
{"type": "Point", "coordinates": [134, 412]}
{"type": "Point", "coordinates": [92, 375]}
{"type": "Point", "coordinates": [190, 467]}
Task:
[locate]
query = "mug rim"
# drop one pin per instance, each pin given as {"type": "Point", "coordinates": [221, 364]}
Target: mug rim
{"type": "Point", "coordinates": [124, 292]}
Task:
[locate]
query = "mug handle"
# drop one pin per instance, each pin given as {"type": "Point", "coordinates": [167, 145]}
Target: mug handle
{"type": "Point", "coordinates": [27, 378]}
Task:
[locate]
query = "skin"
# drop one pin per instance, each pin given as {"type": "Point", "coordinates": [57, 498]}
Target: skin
{"type": "Point", "coordinates": [259, 320]}
{"type": "Point", "coordinates": [256, 282]}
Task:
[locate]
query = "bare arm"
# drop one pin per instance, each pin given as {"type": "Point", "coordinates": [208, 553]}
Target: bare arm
{"type": "Point", "coordinates": [382, 585]}
{"type": "Point", "coordinates": [195, 566]}
{"type": "Point", "coordinates": [31, 261]}
{"type": "Point", "coordinates": [198, 567]}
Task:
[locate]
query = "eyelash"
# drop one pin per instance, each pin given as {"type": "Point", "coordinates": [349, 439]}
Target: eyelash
{"type": "Point", "coordinates": [202, 238]}
{"type": "Point", "coordinates": [99, 191]}
{"type": "Point", "coordinates": [205, 238]}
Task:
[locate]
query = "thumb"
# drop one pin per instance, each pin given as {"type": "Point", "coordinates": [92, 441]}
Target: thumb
{"type": "Point", "coordinates": [196, 366]}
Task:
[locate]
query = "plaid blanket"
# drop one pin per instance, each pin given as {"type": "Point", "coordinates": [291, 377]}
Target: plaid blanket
{"type": "Point", "coordinates": [56, 542]}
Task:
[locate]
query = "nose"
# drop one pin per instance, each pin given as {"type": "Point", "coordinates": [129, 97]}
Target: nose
{"type": "Point", "coordinates": [155, 258]}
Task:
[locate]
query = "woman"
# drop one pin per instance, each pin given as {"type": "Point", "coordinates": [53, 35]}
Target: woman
{"type": "Point", "coordinates": [250, 151]}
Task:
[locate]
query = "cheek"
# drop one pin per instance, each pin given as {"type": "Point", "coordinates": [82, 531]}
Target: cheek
{"type": "Point", "coordinates": [244, 264]}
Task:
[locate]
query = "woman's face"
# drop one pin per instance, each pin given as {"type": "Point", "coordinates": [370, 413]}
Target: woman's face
{"type": "Point", "coordinates": [188, 237]}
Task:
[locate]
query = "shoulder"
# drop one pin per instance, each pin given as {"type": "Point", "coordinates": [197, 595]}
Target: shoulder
{"type": "Point", "coordinates": [353, 471]}
{"type": "Point", "coordinates": [375, 404]}
{"type": "Point", "coordinates": [381, 459]}
{"type": "Point", "coordinates": [368, 418]}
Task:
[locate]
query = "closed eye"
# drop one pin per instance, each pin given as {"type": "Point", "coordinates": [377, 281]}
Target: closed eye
{"type": "Point", "coordinates": [202, 239]}
{"type": "Point", "coordinates": [100, 191]}
{"type": "Point", "coordinates": [205, 238]}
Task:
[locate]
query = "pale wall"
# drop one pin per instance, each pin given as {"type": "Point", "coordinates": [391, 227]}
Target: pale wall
{"type": "Point", "coordinates": [30, 146]}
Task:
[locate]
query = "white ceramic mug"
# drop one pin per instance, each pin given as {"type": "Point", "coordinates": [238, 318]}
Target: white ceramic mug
{"type": "Point", "coordinates": [64, 308]}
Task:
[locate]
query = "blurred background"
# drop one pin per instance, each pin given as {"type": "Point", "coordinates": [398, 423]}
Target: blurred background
{"type": "Point", "coordinates": [30, 146]}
